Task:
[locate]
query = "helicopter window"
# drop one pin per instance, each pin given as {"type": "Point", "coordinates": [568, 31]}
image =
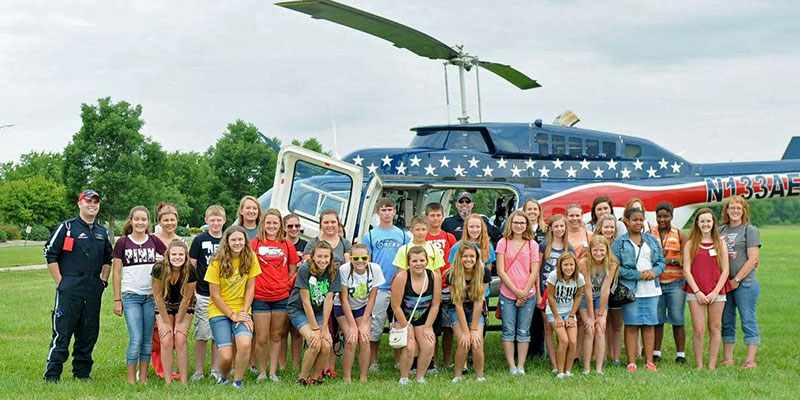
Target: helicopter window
{"type": "Point", "coordinates": [633, 150]}
{"type": "Point", "coordinates": [559, 145]}
{"type": "Point", "coordinates": [433, 139]}
{"type": "Point", "coordinates": [575, 147]}
{"type": "Point", "coordinates": [466, 140]}
{"type": "Point", "coordinates": [308, 199]}
{"type": "Point", "coordinates": [543, 143]}
{"type": "Point", "coordinates": [609, 149]}
{"type": "Point", "coordinates": [592, 148]}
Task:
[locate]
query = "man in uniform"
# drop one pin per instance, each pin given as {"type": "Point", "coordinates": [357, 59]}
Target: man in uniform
{"type": "Point", "coordinates": [455, 223]}
{"type": "Point", "coordinates": [78, 256]}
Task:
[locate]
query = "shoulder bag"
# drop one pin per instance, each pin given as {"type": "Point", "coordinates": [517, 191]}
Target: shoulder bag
{"type": "Point", "coordinates": [398, 337]}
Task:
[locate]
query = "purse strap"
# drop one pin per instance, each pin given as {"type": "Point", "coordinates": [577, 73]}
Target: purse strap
{"type": "Point", "coordinates": [424, 288]}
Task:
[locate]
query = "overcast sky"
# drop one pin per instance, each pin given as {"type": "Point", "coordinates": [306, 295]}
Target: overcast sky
{"type": "Point", "coordinates": [719, 80]}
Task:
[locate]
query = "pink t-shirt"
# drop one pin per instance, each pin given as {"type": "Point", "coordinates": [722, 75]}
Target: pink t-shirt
{"type": "Point", "coordinates": [517, 264]}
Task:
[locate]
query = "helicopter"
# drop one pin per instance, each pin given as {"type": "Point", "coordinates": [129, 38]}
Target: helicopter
{"type": "Point", "coordinates": [558, 164]}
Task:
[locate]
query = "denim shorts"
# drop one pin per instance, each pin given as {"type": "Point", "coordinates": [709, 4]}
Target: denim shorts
{"type": "Point", "coordinates": [552, 318]}
{"type": "Point", "coordinates": [453, 317]}
{"type": "Point", "coordinates": [224, 330]}
{"type": "Point", "coordinates": [595, 302]}
{"type": "Point", "coordinates": [721, 298]}
{"type": "Point", "coordinates": [300, 320]}
{"type": "Point", "coordinates": [445, 309]}
{"type": "Point", "coordinates": [260, 306]}
{"type": "Point", "coordinates": [672, 303]}
{"type": "Point", "coordinates": [338, 311]}
{"type": "Point", "coordinates": [643, 311]}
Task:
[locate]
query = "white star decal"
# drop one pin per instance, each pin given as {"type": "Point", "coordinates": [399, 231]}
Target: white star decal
{"type": "Point", "coordinates": [458, 170]}
{"type": "Point", "coordinates": [387, 161]}
{"type": "Point", "coordinates": [637, 165]}
{"type": "Point", "coordinates": [444, 162]}
{"type": "Point", "coordinates": [487, 171]}
{"type": "Point", "coordinates": [676, 168]}
{"type": "Point", "coordinates": [372, 168]}
{"type": "Point", "coordinates": [611, 164]}
{"type": "Point", "coordinates": [515, 171]}
{"type": "Point", "coordinates": [430, 170]}
{"type": "Point", "coordinates": [544, 171]}
{"type": "Point", "coordinates": [663, 164]}
{"type": "Point", "coordinates": [401, 169]}
{"type": "Point", "coordinates": [571, 172]}
{"type": "Point", "coordinates": [473, 162]}
{"type": "Point", "coordinates": [651, 173]}
{"type": "Point", "coordinates": [501, 163]}
{"type": "Point", "coordinates": [626, 173]}
{"type": "Point", "coordinates": [598, 173]}
{"type": "Point", "coordinates": [530, 164]}
{"type": "Point", "coordinates": [585, 164]}
{"type": "Point", "coordinates": [358, 159]}
{"type": "Point", "coordinates": [557, 164]}
{"type": "Point", "coordinates": [415, 161]}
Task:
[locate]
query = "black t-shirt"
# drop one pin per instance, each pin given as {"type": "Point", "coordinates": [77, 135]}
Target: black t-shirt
{"type": "Point", "coordinates": [487, 278]}
{"type": "Point", "coordinates": [174, 294]}
{"type": "Point", "coordinates": [203, 247]}
{"type": "Point", "coordinates": [300, 246]}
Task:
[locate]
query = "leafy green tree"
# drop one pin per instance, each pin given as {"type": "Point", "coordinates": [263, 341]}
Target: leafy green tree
{"type": "Point", "coordinates": [191, 174]}
{"type": "Point", "coordinates": [312, 144]}
{"type": "Point", "coordinates": [109, 155]}
{"type": "Point", "coordinates": [33, 200]}
{"type": "Point", "coordinates": [48, 165]}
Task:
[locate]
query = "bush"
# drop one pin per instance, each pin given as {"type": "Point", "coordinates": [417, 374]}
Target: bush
{"type": "Point", "coordinates": [196, 231]}
{"type": "Point", "coordinates": [12, 231]}
{"type": "Point", "coordinates": [39, 232]}
{"type": "Point", "coordinates": [183, 231]}
{"type": "Point", "coordinates": [3, 237]}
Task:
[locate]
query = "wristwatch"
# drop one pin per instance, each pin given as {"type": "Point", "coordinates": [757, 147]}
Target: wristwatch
{"type": "Point", "coordinates": [737, 280]}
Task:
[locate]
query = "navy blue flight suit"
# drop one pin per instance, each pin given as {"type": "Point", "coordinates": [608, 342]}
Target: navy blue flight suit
{"type": "Point", "coordinates": [77, 301]}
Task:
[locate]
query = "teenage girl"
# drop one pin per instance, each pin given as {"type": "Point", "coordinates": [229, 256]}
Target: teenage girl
{"type": "Point", "coordinates": [167, 220]}
{"type": "Point", "coordinates": [249, 214]}
{"type": "Point", "coordinates": [468, 280]}
{"type": "Point", "coordinates": [231, 282]}
{"type": "Point", "coordinates": [602, 205]}
{"type": "Point", "coordinates": [706, 268]}
{"type": "Point", "coordinates": [518, 268]}
{"type": "Point", "coordinates": [607, 226]}
{"type": "Point", "coordinates": [353, 306]}
{"type": "Point", "coordinates": [292, 227]}
{"type": "Point", "coordinates": [577, 235]}
{"type": "Point", "coordinates": [278, 260]}
{"type": "Point", "coordinates": [553, 247]}
{"type": "Point", "coordinates": [133, 259]}
{"type": "Point", "coordinates": [309, 309]}
{"type": "Point", "coordinates": [174, 281]}
{"type": "Point", "coordinates": [635, 202]}
{"type": "Point", "coordinates": [601, 268]}
{"type": "Point", "coordinates": [416, 296]}
{"type": "Point", "coordinates": [476, 232]}
{"type": "Point", "coordinates": [534, 211]}
{"type": "Point", "coordinates": [329, 232]}
{"type": "Point", "coordinates": [564, 292]}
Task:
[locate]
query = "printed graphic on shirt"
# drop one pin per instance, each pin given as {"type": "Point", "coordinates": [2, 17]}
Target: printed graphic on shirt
{"type": "Point", "coordinates": [209, 248]}
{"type": "Point", "coordinates": [317, 290]}
{"type": "Point", "coordinates": [142, 255]}
{"type": "Point", "coordinates": [730, 240]}
{"type": "Point", "coordinates": [268, 254]}
{"type": "Point", "coordinates": [424, 304]}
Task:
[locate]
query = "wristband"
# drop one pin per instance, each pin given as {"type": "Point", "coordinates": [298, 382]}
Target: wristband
{"type": "Point", "coordinates": [696, 291]}
{"type": "Point", "coordinates": [117, 299]}
{"type": "Point", "coordinates": [315, 329]}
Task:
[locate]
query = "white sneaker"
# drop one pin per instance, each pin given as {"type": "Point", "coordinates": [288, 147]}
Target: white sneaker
{"type": "Point", "coordinates": [457, 379]}
{"type": "Point", "coordinates": [253, 370]}
{"type": "Point", "coordinates": [261, 377]}
{"type": "Point", "coordinates": [413, 371]}
{"type": "Point", "coordinates": [374, 367]}
{"type": "Point", "coordinates": [433, 371]}
{"type": "Point", "coordinates": [196, 376]}
{"type": "Point", "coordinates": [421, 380]}
{"type": "Point", "coordinates": [561, 375]}
{"type": "Point", "coordinates": [554, 370]}
{"type": "Point", "coordinates": [601, 373]}
{"type": "Point", "coordinates": [568, 373]}
{"type": "Point", "coordinates": [520, 371]}
{"type": "Point", "coordinates": [480, 379]}
{"type": "Point", "coordinates": [513, 370]}
{"type": "Point", "coordinates": [587, 372]}
{"type": "Point", "coordinates": [403, 381]}
{"type": "Point", "coordinates": [396, 365]}
{"type": "Point", "coordinates": [214, 374]}
{"type": "Point", "coordinates": [275, 378]}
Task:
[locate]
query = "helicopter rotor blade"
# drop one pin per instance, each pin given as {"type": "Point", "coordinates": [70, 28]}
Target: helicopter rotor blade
{"type": "Point", "coordinates": [398, 34]}
{"type": "Point", "coordinates": [510, 74]}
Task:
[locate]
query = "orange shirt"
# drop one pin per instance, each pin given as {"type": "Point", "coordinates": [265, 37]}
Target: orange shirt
{"type": "Point", "coordinates": [671, 245]}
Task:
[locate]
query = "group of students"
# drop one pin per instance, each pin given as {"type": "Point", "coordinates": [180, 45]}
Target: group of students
{"type": "Point", "coordinates": [259, 280]}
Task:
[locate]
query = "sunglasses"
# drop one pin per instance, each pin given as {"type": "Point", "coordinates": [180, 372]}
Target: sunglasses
{"type": "Point", "coordinates": [357, 258]}
{"type": "Point", "coordinates": [465, 201]}
{"type": "Point", "coordinates": [292, 226]}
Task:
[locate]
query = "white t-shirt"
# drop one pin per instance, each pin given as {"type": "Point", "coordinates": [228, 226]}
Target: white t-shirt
{"type": "Point", "coordinates": [645, 262]}
{"type": "Point", "coordinates": [359, 285]}
{"type": "Point", "coordinates": [564, 292]}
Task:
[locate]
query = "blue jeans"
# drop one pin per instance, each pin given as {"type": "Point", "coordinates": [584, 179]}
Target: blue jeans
{"type": "Point", "coordinates": [672, 303]}
{"type": "Point", "coordinates": [226, 331]}
{"type": "Point", "coordinates": [140, 316]}
{"type": "Point", "coordinates": [744, 299]}
{"type": "Point", "coordinates": [516, 320]}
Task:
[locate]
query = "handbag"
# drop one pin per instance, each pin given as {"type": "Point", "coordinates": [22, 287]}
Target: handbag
{"type": "Point", "coordinates": [620, 296]}
{"type": "Point", "coordinates": [398, 337]}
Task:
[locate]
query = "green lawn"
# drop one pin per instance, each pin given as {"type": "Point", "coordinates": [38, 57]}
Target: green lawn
{"type": "Point", "coordinates": [14, 256]}
{"type": "Point", "coordinates": [25, 334]}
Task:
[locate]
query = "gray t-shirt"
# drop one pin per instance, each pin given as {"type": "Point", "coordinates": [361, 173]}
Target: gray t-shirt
{"type": "Point", "coordinates": [564, 292]}
{"type": "Point", "coordinates": [251, 233]}
{"type": "Point", "coordinates": [359, 286]}
{"type": "Point", "coordinates": [338, 251]}
{"type": "Point", "coordinates": [739, 239]}
{"type": "Point", "coordinates": [318, 287]}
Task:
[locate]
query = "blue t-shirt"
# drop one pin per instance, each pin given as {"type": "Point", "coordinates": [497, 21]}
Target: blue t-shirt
{"type": "Point", "coordinates": [383, 245]}
{"type": "Point", "coordinates": [492, 256]}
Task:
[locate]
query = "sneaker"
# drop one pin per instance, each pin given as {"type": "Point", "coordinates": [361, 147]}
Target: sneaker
{"type": "Point", "coordinates": [457, 379]}
{"type": "Point", "coordinates": [301, 382]}
{"type": "Point", "coordinates": [89, 378]}
{"type": "Point", "coordinates": [237, 384]}
{"type": "Point", "coordinates": [261, 377]}
{"type": "Point", "coordinates": [651, 367]}
{"type": "Point", "coordinates": [480, 379]}
{"type": "Point", "coordinates": [568, 374]}
{"type": "Point", "coordinates": [421, 380]}
{"type": "Point", "coordinates": [433, 371]}
{"type": "Point", "coordinates": [275, 378]}
{"type": "Point", "coordinates": [396, 365]}
{"type": "Point", "coordinates": [253, 370]}
{"type": "Point", "coordinates": [222, 381]}
{"type": "Point", "coordinates": [374, 367]}
{"type": "Point", "coordinates": [616, 363]}
{"type": "Point", "coordinates": [413, 371]}
{"type": "Point", "coordinates": [749, 365]}
{"type": "Point", "coordinates": [520, 371]}
{"type": "Point", "coordinates": [464, 371]}
{"type": "Point", "coordinates": [601, 373]}
{"type": "Point", "coordinates": [680, 360]}
{"type": "Point", "coordinates": [561, 375]}
{"type": "Point", "coordinates": [632, 367]}
{"type": "Point", "coordinates": [403, 381]}
{"type": "Point", "coordinates": [587, 372]}
{"type": "Point", "coordinates": [656, 358]}
{"type": "Point", "coordinates": [554, 370]}
{"type": "Point", "coordinates": [214, 374]}
{"type": "Point", "coordinates": [196, 376]}
{"type": "Point", "coordinates": [513, 370]}
{"type": "Point", "coordinates": [51, 379]}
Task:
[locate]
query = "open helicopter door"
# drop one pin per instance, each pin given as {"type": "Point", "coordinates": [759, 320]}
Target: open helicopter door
{"type": "Point", "coordinates": [371, 196]}
{"type": "Point", "coordinates": [306, 183]}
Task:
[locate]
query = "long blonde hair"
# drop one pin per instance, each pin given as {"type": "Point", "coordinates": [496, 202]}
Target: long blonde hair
{"type": "Point", "coordinates": [539, 221]}
{"type": "Point", "coordinates": [263, 235]}
{"type": "Point", "coordinates": [458, 277]}
{"type": "Point", "coordinates": [240, 216]}
{"type": "Point", "coordinates": [483, 239]}
{"type": "Point", "coordinates": [610, 263]}
{"type": "Point", "coordinates": [224, 256]}
{"type": "Point", "coordinates": [166, 270]}
{"type": "Point", "coordinates": [695, 236]}
{"type": "Point", "coordinates": [548, 247]}
{"type": "Point", "coordinates": [598, 227]}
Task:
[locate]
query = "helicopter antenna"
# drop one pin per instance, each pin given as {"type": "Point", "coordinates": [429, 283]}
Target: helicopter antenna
{"type": "Point", "coordinates": [478, 86]}
{"type": "Point", "coordinates": [698, 143]}
{"type": "Point", "coordinates": [333, 126]}
{"type": "Point", "coordinates": [446, 92]}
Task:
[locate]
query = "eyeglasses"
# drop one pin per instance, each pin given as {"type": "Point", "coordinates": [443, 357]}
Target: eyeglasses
{"type": "Point", "coordinates": [292, 226]}
{"type": "Point", "coordinates": [736, 208]}
{"type": "Point", "coordinates": [357, 258]}
{"type": "Point", "coordinates": [465, 201]}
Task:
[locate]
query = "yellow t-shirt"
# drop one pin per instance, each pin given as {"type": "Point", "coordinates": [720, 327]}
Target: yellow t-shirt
{"type": "Point", "coordinates": [231, 289]}
{"type": "Point", "coordinates": [435, 256]}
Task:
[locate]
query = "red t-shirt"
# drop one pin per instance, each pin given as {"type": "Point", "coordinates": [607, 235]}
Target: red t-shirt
{"type": "Point", "coordinates": [273, 282]}
{"type": "Point", "coordinates": [444, 241]}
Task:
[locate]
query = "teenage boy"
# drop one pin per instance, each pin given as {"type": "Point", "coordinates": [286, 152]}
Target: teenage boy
{"type": "Point", "coordinates": [203, 247]}
{"type": "Point", "coordinates": [383, 241]}
{"type": "Point", "coordinates": [443, 241]}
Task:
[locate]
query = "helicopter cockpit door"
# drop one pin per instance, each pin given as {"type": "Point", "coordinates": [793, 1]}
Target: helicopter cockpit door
{"type": "Point", "coordinates": [373, 193]}
{"type": "Point", "coordinates": [306, 183]}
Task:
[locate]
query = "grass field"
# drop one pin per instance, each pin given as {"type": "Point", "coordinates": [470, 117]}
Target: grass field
{"type": "Point", "coordinates": [14, 256]}
{"type": "Point", "coordinates": [25, 334]}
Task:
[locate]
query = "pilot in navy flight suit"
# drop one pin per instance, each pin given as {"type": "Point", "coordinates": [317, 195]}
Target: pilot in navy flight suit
{"type": "Point", "coordinates": [78, 256]}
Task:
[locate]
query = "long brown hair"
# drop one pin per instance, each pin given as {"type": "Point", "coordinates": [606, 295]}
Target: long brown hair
{"type": "Point", "coordinates": [745, 209]}
{"type": "Point", "coordinates": [483, 239]}
{"type": "Point", "coordinates": [600, 200]}
{"type": "Point", "coordinates": [224, 256]}
{"type": "Point", "coordinates": [166, 270]}
{"type": "Point", "coordinates": [262, 235]}
{"type": "Point", "coordinates": [332, 266]}
{"type": "Point", "coordinates": [539, 221]}
{"type": "Point", "coordinates": [567, 255]}
{"type": "Point", "coordinates": [458, 277]}
{"type": "Point", "coordinates": [548, 247]}
{"type": "Point", "coordinates": [695, 236]}
{"type": "Point", "coordinates": [127, 227]}
{"type": "Point", "coordinates": [509, 234]}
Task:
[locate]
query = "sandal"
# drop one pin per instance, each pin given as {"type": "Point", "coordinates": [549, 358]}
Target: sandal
{"type": "Point", "coordinates": [749, 365]}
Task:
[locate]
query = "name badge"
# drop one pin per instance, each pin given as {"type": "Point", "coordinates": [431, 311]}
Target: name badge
{"type": "Point", "coordinates": [98, 236]}
{"type": "Point", "coordinates": [712, 252]}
